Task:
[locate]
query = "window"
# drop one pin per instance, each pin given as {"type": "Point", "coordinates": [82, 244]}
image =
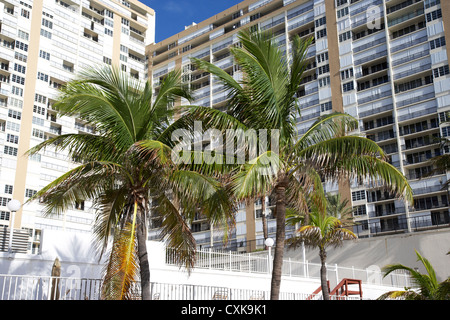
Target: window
{"type": "Point", "coordinates": [321, 33]}
{"type": "Point", "coordinates": [107, 60]}
{"type": "Point", "coordinates": [23, 35]}
{"type": "Point", "coordinates": [255, 17]}
{"type": "Point", "coordinates": [322, 57]}
{"type": "Point", "coordinates": [40, 98]}
{"type": "Point", "coordinates": [44, 55]}
{"type": "Point", "coordinates": [446, 131]}
{"type": "Point", "coordinates": [349, 86]}
{"type": "Point", "coordinates": [324, 82]}
{"type": "Point", "coordinates": [10, 150]}
{"type": "Point", "coordinates": [358, 195]}
{"type": "Point", "coordinates": [342, 12]}
{"type": "Point", "coordinates": [39, 134]}
{"type": "Point", "coordinates": [340, 2]}
{"type": "Point", "coordinates": [323, 69]}
{"type": "Point", "coordinates": [4, 201]}
{"type": "Point", "coordinates": [4, 215]}
{"type": "Point", "coordinates": [15, 103]}
{"type": "Point", "coordinates": [8, 189]}
{"type": "Point", "coordinates": [413, 84]}
{"type": "Point", "coordinates": [345, 74]}
{"type": "Point", "coordinates": [321, 22]}
{"type": "Point", "coordinates": [29, 193]}
{"type": "Point", "coordinates": [434, 15]}
{"type": "Point", "coordinates": [13, 126]}
{"type": "Point", "coordinates": [79, 205]}
{"type": "Point", "coordinates": [326, 106]}
{"type": "Point", "coordinates": [108, 32]}
{"type": "Point", "coordinates": [47, 23]}
{"type": "Point", "coordinates": [431, 3]}
{"type": "Point", "coordinates": [21, 57]}
{"type": "Point", "coordinates": [17, 91]}
{"type": "Point", "coordinates": [42, 76]}
{"type": "Point", "coordinates": [38, 121]}
{"type": "Point", "coordinates": [437, 43]}
{"type": "Point", "coordinates": [46, 33]}
{"type": "Point", "coordinates": [441, 71]}
{"type": "Point", "coordinates": [18, 79]}
{"type": "Point", "coordinates": [12, 138]}
{"type": "Point", "coordinates": [25, 13]}
{"type": "Point", "coordinates": [22, 46]}
{"type": "Point", "coordinates": [345, 36]}
{"type": "Point", "coordinates": [187, 48]}
{"type": "Point", "coordinates": [39, 110]}
{"type": "Point", "coordinates": [14, 114]}
{"type": "Point", "coordinates": [359, 210]}
{"type": "Point", "coordinates": [20, 68]}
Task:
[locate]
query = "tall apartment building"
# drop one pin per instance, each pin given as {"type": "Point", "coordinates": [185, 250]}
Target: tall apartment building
{"type": "Point", "coordinates": [383, 61]}
{"type": "Point", "coordinates": [44, 44]}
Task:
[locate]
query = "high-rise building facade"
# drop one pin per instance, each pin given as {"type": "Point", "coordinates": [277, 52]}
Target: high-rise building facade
{"type": "Point", "coordinates": [384, 62]}
{"type": "Point", "coordinates": [44, 44]}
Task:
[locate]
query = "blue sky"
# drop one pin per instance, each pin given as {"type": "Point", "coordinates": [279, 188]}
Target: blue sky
{"type": "Point", "coordinates": [173, 15]}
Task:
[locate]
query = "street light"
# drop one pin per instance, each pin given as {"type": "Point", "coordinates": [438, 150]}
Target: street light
{"type": "Point", "coordinates": [269, 243]}
{"type": "Point", "coordinates": [13, 206]}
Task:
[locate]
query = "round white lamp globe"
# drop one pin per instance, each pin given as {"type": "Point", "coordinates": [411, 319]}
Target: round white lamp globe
{"type": "Point", "coordinates": [269, 242]}
{"type": "Point", "coordinates": [13, 205]}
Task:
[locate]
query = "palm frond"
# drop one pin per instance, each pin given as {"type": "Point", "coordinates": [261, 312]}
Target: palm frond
{"type": "Point", "coordinates": [122, 269]}
{"type": "Point", "coordinates": [177, 233]}
{"type": "Point", "coordinates": [257, 177]}
{"type": "Point", "coordinates": [109, 207]}
{"type": "Point", "coordinates": [86, 181]}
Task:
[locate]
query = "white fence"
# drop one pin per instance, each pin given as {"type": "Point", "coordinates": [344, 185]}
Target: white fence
{"type": "Point", "coordinates": [50, 288]}
{"type": "Point", "coordinates": [260, 263]}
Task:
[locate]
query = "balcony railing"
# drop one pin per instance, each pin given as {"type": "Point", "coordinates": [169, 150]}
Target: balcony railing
{"type": "Point", "coordinates": [260, 263]}
{"type": "Point", "coordinates": [405, 17]}
{"type": "Point", "coordinates": [17, 287]}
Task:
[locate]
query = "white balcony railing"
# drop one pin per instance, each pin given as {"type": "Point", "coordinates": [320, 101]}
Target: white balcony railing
{"type": "Point", "coordinates": [13, 287]}
{"type": "Point", "coordinates": [260, 263]}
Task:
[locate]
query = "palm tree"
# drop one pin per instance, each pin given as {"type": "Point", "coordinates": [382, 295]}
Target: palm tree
{"type": "Point", "coordinates": [266, 98]}
{"type": "Point", "coordinates": [427, 285]}
{"type": "Point", "coordinates": [323, 231]}
{"type": "Point", "coordinates": [126, 166]}
{"type": "Point", "coordinates": [339, 207]}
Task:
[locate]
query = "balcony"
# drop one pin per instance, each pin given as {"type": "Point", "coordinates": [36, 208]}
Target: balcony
{"type": "Point", "coordinates": [409, 40]}
{"type": "Point", "coordinates": [376, 93]}
{"type": "Point", "coordinates": [401, 6]}
{"type": "Point", "coordinates": [421, 141]}
{"type": "Point", "coordinates": [414, 69]}
{"type": "Point", "coordinates": [406, 17]}
{"type": "Point", "coordinates": [416, 158]}
{"type": "Point", "coordinates": [382, 136]}
{"type": "Point", "coordinates": [411, 57]}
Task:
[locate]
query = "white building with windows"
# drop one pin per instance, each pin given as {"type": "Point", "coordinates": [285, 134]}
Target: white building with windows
{"type": "Point", "coordinates": [384, 62]}
{"type": "Point", "coordinates": [44, 44]}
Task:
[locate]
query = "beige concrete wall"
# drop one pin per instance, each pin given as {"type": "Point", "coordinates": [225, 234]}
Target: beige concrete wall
{"type": "Point", "coordinates": [27, 112]}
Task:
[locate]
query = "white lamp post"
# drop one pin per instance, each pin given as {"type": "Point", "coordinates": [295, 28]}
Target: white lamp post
{"type": "Point", "coordinates": [269, 243]}
{"type": "Point", "coordinates": [13, 206]}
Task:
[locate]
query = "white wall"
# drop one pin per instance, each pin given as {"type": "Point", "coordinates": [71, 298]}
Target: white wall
{"type": "Point", "coordinates": [79, 260]}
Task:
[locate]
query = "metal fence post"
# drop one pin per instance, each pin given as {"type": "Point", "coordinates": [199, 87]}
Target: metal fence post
{"type": "Point", "coordinates": [209, 258]}
{"type": "Point", "coordinates": [337, 274]}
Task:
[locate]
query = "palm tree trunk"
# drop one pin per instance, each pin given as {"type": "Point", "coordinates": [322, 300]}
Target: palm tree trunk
{"type": "Point", "coordinates": [323, 274]}
{"type": "Point", "coordinates": [280, 191]}
{"type": "Point", "coordinates": [264, 219]}
{"type": "Point", "coordinates": [141, 234]}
